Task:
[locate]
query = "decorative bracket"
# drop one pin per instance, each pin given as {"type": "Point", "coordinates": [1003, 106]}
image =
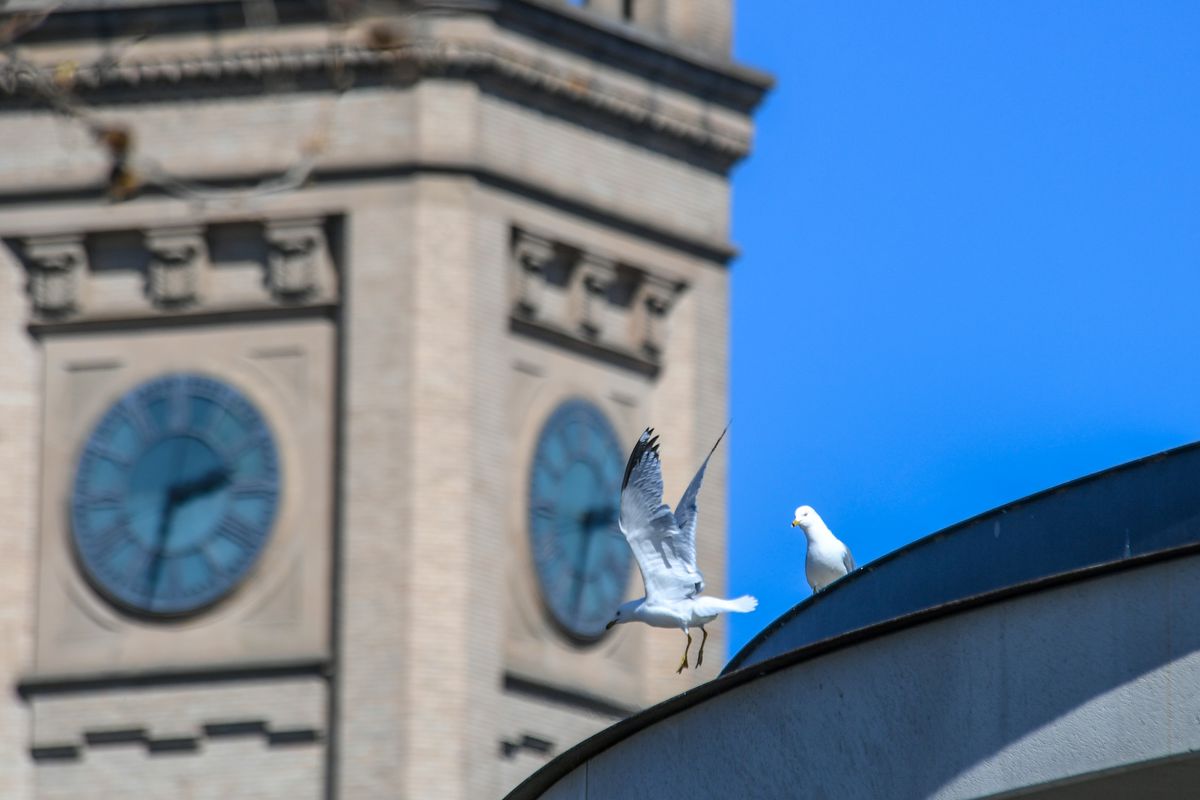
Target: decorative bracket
{"type": "Point", "coordinates": [56, 266]}
{"type": "Point", "coordinates": [593, 277]}
{"type": "Point", "coordinates": [653, 299]}
{"type": "Point", "coordinates": [295, 249]}
{"type": "Point", "coordinates": [535, 260]}
{"type": "Point", "coordinates": [173, 275]}
{"type": "Point", "coordinates": [589, 300]}
{"type": "Point", "coordinates": [256, 263]}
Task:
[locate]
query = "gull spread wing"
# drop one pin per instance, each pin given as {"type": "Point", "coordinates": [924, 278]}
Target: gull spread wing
{"type": "Point", "coordinates": [651, 528]}
{"type": "Point", "coordinates": [685, 514]}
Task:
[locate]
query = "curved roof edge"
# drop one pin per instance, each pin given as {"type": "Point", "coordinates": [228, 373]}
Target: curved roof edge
{"type": "Point", "coordinates": [1044, 525]}
{"type": "Point", "coordinates": [541, 781]}
{"type": "Point", "coordinates": [1135, 508]}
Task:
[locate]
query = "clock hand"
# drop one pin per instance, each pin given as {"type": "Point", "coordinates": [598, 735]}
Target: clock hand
{"type": "Point", "coordinates": [595, 517]}
{"type": "Point", "coordinates": [178, 494]}
{"type": "Point", "coordinates": [170, 502]}
{"type": "Point", "coordinates": [576, 592]}
{"type": "Point", "coordinates": [209, 481]}
{"type": "Point", "coordinates": [588, 522]}
{"type": "Point", "coordinates": [164, 529]}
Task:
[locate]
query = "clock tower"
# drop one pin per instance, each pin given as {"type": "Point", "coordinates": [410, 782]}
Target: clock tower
{"type": "Point", "coordinates": [325, 331]}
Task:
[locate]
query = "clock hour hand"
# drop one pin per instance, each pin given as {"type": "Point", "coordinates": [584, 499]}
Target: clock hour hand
{"type": "Point", "coordinates": [180, 493]}
{"type": "Point", "coordinates": [588, 520]}
{"type": "Point", "coordinates": [596, 517]}
{"type": "Point", "coordinates": [164, 528]}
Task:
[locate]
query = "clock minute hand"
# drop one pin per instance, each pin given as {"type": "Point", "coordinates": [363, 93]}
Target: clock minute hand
{"type": "Point", "coordinates": [588, 521]}
{"type": "Point", "coordinates": [164, 528]}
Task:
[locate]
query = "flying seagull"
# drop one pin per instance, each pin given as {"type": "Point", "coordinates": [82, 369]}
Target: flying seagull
{"type": "Point", "coordinates": [828, 559]}
{"type": "Point", "coordinates": [664, 544]}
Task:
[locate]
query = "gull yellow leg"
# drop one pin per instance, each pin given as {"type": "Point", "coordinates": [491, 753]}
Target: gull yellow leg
{"type": "Point", "coordinates": [683, 664]}
{"type": "Point", "coordinates": [700, 655]}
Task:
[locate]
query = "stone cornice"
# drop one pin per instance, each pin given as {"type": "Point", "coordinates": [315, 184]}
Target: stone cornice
{"type": "Point", "coordinates": [632, 47]}
{"type": "Point", "coordinates": [444, 57]}
{"type": "Point", "coordinates": [638, 50]}
{"type": "Point", "coordinates": [717, 251]}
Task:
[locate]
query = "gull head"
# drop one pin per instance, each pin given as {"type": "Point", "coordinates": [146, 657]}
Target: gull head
{"type": "Point", "coordinates": [624, 613]}
{"type": "Point", "coordinates": [805, 517]}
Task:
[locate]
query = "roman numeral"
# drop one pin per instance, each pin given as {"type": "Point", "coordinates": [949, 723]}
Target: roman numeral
{"type": "Point", "coordinates": [249, 487]}
{"type": "Point", "coordinates": [135, 571]}
{"type": "Point", "coordinates": [567, 441]}
{"type": "Point", "coordinates": [103, 543]}
{"type": "Point", "coordinates": [100, 451]}
{"type": "Point", "coordinates": [104, 499]}
{"type": "Point", "coordinates": [177, 414]}
{"type": "Point", "coordinates": [581, 438]}
{"type": "Point", "coordinates": [213, 566]}
{"type": "Point", "coordinates": [215, 417]}
{"type": "Point", "coordinates": [549, 551]}
{"type": "Point", "coordinates": [247, 443]}
{"type": "Point", "coordinates": [171, 582]}
{"type": "Point", "coordinates": [136, 413]}
{"type": "Point", "coordinates": [613, 565]}
{"type": "Point", "coordinates": [238, 532]}
{"type": "Point", "coordinates": [559, 584]}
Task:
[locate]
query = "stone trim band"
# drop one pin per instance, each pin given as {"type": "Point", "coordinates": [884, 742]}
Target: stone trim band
{"type": "Point", "coordinates": [437, 57]}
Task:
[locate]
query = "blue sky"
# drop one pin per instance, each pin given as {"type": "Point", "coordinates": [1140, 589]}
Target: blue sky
{"type": "Point", "coordinates": [971, 265]}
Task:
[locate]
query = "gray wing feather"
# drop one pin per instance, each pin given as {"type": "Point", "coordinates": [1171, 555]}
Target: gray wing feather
{"type": "Point", "coordinates": [685, 515]}
{"type": "Point", "coordinates": [651, 528]}
{"type": "Point", "coordinates": [848, 561]}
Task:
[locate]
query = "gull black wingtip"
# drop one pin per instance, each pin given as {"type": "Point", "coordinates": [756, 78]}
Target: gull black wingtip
{"type": "Point", "coordinates": [718, 441]}
{"type": "Point", "coordinates": [646, 442]}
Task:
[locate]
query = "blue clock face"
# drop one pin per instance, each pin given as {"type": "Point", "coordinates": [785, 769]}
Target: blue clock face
{"type": "Point", "coordinates": [175, 495]}
{"type": "Point", "coordinates": [581, 559]}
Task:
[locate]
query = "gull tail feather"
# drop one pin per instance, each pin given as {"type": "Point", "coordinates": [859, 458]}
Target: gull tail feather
{"type": "Point", "coordinates": [743, 604]}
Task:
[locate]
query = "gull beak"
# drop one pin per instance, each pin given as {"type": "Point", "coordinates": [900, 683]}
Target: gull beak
{"type": "Point", "coordinates": [610, 624]}
{"type": "Point", "coordinates": [795, 523]}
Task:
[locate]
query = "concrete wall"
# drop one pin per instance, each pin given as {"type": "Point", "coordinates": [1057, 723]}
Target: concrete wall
{"type": "Point", "coordinates": [1042, 690]}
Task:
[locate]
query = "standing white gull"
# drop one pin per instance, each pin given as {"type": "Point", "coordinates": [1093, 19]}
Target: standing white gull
{"type": "Point", "coordinates": [664, 545]}
{"type": "Point", "coordinates": [828, 559]}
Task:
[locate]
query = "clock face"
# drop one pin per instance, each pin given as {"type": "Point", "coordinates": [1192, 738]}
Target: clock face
{"type": "Point", "coordinates": [582, 560]}
{"type": "Point", "coordinates": [175, 495]}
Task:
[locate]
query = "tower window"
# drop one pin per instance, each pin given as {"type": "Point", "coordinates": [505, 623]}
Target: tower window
{"type": "Point", "coordinates": [627, 9]}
